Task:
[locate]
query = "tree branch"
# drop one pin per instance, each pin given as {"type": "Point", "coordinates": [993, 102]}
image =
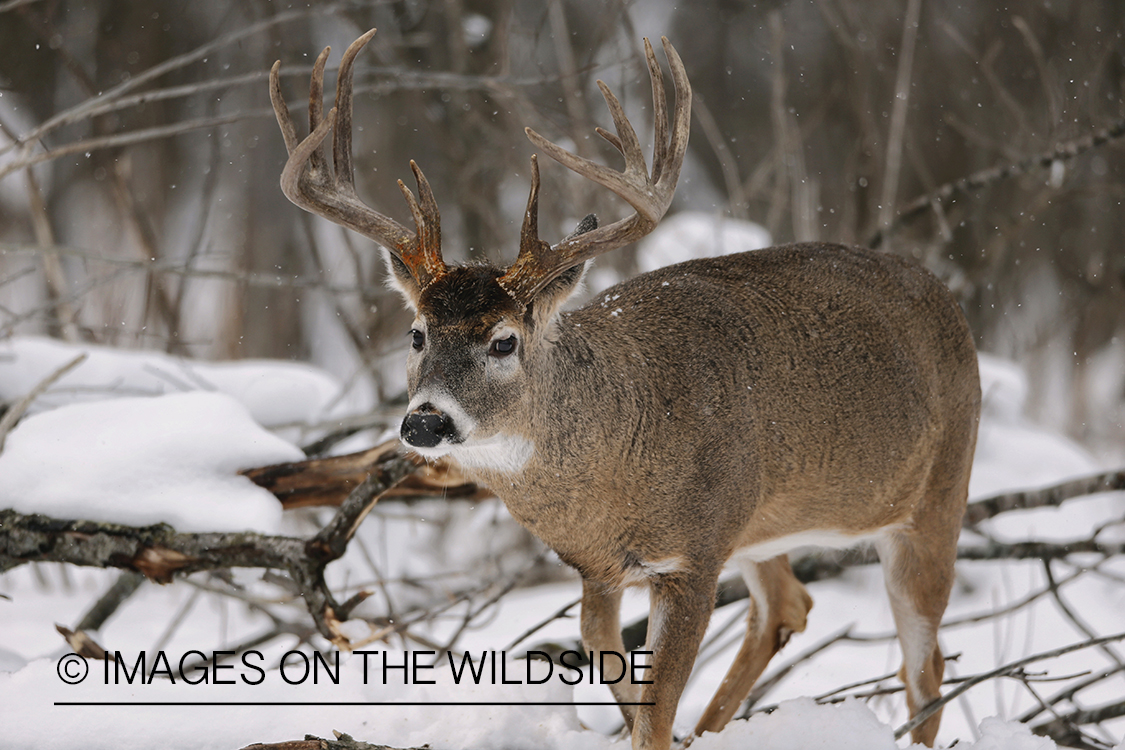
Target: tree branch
{"type": "Point", "coordinates": [1007, 669]}
{"type": "Point", "coordinates": [1061, 152]}
{"type": "Point", "coordinates": [1063, 729]}
{"type": "Point", "coordinates": [160, 553]}
{"type": "Point", "coordinates": [1052, 496]}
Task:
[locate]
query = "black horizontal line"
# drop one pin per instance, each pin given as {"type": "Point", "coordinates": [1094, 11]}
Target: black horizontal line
{"type": "Point", "coordinates": [347, 703]}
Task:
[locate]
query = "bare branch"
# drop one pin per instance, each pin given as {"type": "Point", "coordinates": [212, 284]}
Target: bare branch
{"type": "Point", "coordinates": [248, 278]}
{"type": "Point", "coordinates": [895, 137]}
{"type": "Point", "coordinates": [28, 159]}
{"type": "Point", "coordinates": [13, 4]}
{"type": "Point", "coordinates": [160, 553]}
{"type": "Point", "coordinates": [1063, 728]}
{"type": "Point", "coordinates": [1007, 669]}
{"type": "Point", "coordinates": [17, 410]}
{"type": "Point", "coordinates": [342, 742]}
{"type": "Point", "coordinates": [82, 110]}
{"type": "Point", "coordinates": [1062, 152]}
{"type": "Point", "coordinates": [1052, 496]}
{"type": "Point", "coordinates": [126, 584]}
{"type": "Point", "coordinates": [1070, 692]}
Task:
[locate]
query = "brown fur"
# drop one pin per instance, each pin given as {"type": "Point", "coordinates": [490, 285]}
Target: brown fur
{"type": "Point", "coordinates": [712, 408]}
{"type": "Point", "coordinates": [719, 404]}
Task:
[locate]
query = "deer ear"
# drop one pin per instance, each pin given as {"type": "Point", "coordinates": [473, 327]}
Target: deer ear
{"type": "Point", "coordinates": [400, 279]}
{"type": "Point", "coordinates": [547, 302]}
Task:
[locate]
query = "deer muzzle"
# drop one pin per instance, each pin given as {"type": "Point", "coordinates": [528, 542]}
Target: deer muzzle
{"type": "Point", "coordinates": [426, 427]}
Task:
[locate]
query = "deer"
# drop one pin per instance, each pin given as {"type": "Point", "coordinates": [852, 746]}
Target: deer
{"type": "Point", "coordinates": [727, 409]}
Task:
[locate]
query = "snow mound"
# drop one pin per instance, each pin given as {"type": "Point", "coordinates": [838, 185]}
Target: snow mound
{"type": "Point", "coordinates": [694, 234]}
{"type": "Point", "coordinates": [141, 461]}
{"type": "Point", "coordinates": [275, 392]}
{"type": "Point", "coordinates": [997, 734]}
{"type": "Point", "coordinates": [801, 724]}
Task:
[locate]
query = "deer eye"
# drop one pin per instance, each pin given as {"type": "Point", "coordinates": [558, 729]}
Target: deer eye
{"type": "Point", "coordinates": [417, 339]}
{"type": "Point", "coordinates": [502, 347]}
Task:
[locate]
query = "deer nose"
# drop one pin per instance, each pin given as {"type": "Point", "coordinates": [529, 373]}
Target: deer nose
{"type": "Point", "coordinates": [425, 427]}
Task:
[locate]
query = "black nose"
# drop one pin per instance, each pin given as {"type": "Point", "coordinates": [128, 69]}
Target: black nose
{"type": "Point", "coordinates": [425, 427]}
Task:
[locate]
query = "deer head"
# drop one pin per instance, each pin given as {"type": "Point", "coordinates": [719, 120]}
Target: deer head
{"type": "Point", "coordinates": [479, 331]}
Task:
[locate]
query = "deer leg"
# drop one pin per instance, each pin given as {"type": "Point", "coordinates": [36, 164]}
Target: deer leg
{"type": "Point", "coordinates": [918, 568]}
{"type": "Point", "coordinates": [601, 631]}
{"type": "Point", "coordinates": [779, 606]}
{"type": "Point", "coordinates": [680, 609]}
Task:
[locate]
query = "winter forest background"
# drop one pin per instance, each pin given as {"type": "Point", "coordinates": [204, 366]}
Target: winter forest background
{"type": "Point", "coordinates": [140, 210]}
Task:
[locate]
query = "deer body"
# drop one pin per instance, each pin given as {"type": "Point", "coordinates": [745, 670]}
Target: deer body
{"type": "Point", "coordinates": [737, 407]}
{"type": "Point", "coordinates": [748, 377]}
{"type": "Point", "coordinates": [720, 409]}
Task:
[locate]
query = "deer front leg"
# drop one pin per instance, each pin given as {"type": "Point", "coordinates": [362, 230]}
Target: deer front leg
{"type": "Point", "coordinates": [601, 631]}
{"type": "Point", "coordinates": [679, 611]}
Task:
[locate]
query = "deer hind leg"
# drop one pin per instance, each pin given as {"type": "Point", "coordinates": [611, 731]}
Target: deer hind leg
{"type": "Point", "coordinates": [601, 631]}
{"type": "Point", "coordinates": [779, 606]}
{"type": "Point", "coordinates": [919, 576]}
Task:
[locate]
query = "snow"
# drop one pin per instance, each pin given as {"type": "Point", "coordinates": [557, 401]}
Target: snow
{"type": "Point", "coordinates": [276, 393]}
{"type": "Point", "coordinates": [141, 461]}
{"type": "Point", "coordinates": [91, 452]}
{"type": "Point", "coordinates": [683, 236]}
{"type": "Point", "coordinates": [1012, 453]}
{"type": "Point", "coordinates": [694, 234]}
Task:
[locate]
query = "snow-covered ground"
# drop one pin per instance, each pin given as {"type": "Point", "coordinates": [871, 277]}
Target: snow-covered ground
{"type": "Point", "coordinates": [174, 457]}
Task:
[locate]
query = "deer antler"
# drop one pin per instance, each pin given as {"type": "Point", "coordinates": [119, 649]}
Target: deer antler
{"type": "Point", "coordinates": [538, 263]}
{"type": "Point", "coordinates": [306, 180]}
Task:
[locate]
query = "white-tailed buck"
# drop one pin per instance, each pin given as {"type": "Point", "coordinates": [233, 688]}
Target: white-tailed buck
{"type": "Point", "coordinates": [721, 409]}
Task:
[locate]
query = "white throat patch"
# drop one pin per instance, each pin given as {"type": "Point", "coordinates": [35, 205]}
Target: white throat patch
{"type": "Point", "coordinates": [507, 454]}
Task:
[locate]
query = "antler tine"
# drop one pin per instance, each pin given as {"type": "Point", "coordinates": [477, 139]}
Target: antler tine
{"type": "Point", "coordinates": [649, 195]}
{"type": "Point", "coordinates": [306, 181]}
{"type": "Point", "coordinates": [281, 109]}
{"type": "Point", "coordinates": [521, 278]}
{"type": "Point", "coordinates": [529, 233]}
{"type": "Point", "coordinates": [426, 254]}
{"type": "Point", "coordinates": [659, 110]}
{"type": "Point", "coordinates": [316, 106]}
{"type": "Point", "coordinates": [342, 135]}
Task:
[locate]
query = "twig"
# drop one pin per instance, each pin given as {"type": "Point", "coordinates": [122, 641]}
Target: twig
{"type": "Point", "coordinates": [932, 708]}
{"type": "Point", "coordinates": [556, 615]}
{"type": "Point", "coordinates": [83, 110]}
{"type": "Point", "coordinates": [766, 684]}
{"type": "Point", "coordinates": [1070, 692]}
{"type": "Point", "coordinates": [1063, 728]}
{"type": "Point", "coordinates": [893, 166]}
{"type": "Point", "coordinates": [73, 296]}
{"type": "Point", "coordinates": [13, 4]}
{"type": "Point", "coordinates": [124, 139]}
{"type": "Point", "coordinates": [17, 275]}
{"type": "Point", "coordinates": [1038, 550]}
{"type": "Point", "coordinates": [736, 197]}
{"type": "Point", "coordinates": [53, 273]}
{"type": "Point", "coordinates": [269, 281]}
{"type": "Point", "coordinates": [16, 411]}
{"type": "Point", "coordinates": [1062, 152]}
{"type": "Point", "coordinates": [1073, 616]}
{"type": "Point", "coordinates": [117, 594]}
{"type": "Point", "coordinates": [496, 596]}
